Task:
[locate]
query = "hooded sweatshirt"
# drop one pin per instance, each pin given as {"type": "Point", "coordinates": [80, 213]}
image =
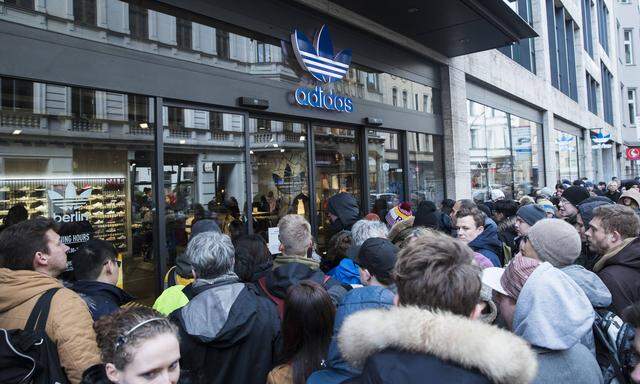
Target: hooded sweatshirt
{"type": "Point", "coordinates": [359, 299]}
{"type": "Point", "coordinates": [345, 206]}
{"type": "Point", "coordinates": [488, 244]}
{"type": "Point", "coordinates": [69, 324]}
{"type": "Point", "coordinates": [228, 334]}
{"type": "Point", "coordinates": [553, 314]}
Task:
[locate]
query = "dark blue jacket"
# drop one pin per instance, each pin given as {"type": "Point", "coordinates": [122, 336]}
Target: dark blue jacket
{"type": "Point", "coordinates": [101, 298]}
{"type": "Point", "coordinates": [488, 244]}
{"type": "Point", "coordinates": [355, 300]}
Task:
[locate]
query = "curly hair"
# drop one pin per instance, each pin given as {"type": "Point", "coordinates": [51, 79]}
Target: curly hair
{"type": "Point", "coordinates": [119, 333]}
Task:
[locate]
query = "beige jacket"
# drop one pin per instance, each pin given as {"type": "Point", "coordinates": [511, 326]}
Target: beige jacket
{"type": "Point", "coordinates": [69, 324]}
{"type": "Point", "coordinates": [282, 374]}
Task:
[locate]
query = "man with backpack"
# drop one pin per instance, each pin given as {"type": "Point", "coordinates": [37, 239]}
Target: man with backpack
{"type": "Point", "coordinates": [31, 257]}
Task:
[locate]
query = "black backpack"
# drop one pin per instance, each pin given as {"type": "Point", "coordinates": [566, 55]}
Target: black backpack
{"type": "Point", "coordinates": [614, 347]}
{"type": "Point", "coordinates": [29, 356]}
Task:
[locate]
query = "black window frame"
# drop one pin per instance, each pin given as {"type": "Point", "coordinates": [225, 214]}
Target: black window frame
{"type": "Point", "coordinates": [83, 103]}
{"type": "Point", "coordinates": [138, 22]}
{"type": "Point", "coordinates": [222, 44]}
{"type": "Point", "coordinates": [23, 4]}
{"type": "Point", "coordinates": [184, 34]}
{"type": "Point", "coordinates": [85, 12]}
{"type": "Point", "coordinates": [16, 95]}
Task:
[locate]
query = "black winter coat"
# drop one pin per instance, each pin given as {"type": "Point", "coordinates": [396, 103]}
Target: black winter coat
{"type": "Point", "coordinates": [101, 298]}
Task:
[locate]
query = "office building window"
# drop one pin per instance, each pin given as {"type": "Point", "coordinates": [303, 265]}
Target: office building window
{"type": "Point", "coordinates": [138, 21]}
{"type": "Point", "coordinates": [83, 103]}
{"type": "Point", "coordinates": [138, 108]}
{"type": "Point", "coordinates": [372, 82]}
{"type": "Point", "coordinates": [607, 101]}
{"type": "Point", "coordinates": [592, 90]}
{"type": "Point", "coordinates": [631, 101]}
{"type": "Point", "coordinates": [84, 12]}
{"type": "Point", "coordinates": [183, 33]}
{"type": "Point", "coordinates": [405, 100]}
{"type": "Point", "coordinates": [522, 52]}
{"type": "Point", "coordinates": [603, 25]}
{"type": "Point", "coordinates": [263, 54]}
{"type": "Point", "coordinates": [561, 50]}
{"type": "Point", "coordinates": [222, 43]}
{"type": "Point", "coordinates": [416, 105]}
{"type": "Point", "coordinates": [17, 95]}
{"type": "Point", "coordinates": [28, 4]}
{"type": "Point", "coordinates": [394, 96]}
{"type": "Point", "coordinates": [628, 46]}
{"type": "Point", "coordinates": [587, 33]}
{"type": "Point", "coordinates": [425, 102]}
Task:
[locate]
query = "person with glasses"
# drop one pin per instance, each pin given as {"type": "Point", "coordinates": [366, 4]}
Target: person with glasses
{"type": "Point", "coordinates": [97, 268]}
{"type": "Point", "coordinates": [570, 199]}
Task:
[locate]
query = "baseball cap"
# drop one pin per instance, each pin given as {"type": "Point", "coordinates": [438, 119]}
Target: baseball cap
{"type": "Point", "coordinates": [378, 256]}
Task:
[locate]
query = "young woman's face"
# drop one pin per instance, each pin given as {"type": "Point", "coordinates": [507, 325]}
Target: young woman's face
{"type": "Point", "coordinates": [155, 361]}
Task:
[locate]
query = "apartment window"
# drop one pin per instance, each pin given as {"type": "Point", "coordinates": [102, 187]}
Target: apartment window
{"type": "Point", "coordinates": [592, 91]}
{"type": "Point", "coordinates": [628, 46]}
{"type": "Point", "coordinates": [183, 33]}
{"type": "Point", "coordinates": [28, 4]}
{"type": "Point", "coordinates": [17, 95]}
{"type": "Point", "coordinates": [405, 100]}
{"type": "Point", "coordinates": [372, 82]}
{"type": "Point", "coordinates": [425, 103]}
{"type": "Point", "coordinates": [523, 51]}
{"type": "Point", "coordinates": [83, 103]}
{"type": "Point", "coordinates": [603, 25]}
{"type": "Point", "coordinates": [222, 44]}
{"type": "Point", "coordinates": [587, 33]}
{"type": "Point", "coordinates": [394, 96]}
{"type": "Point", "coordinates": [416, 104]}
{"type": "Point", "coordinates": [631, 101]}
{"type": "Point", "coordinates": [138, 21]}
{"type": "Point", "coordinates": [561, 50]}
{"type": "Point", "coordinates": [175, 117]}
{"type": "Point", "coordinates": [607, 101]}
{"type": "Point", "coordinates": [138, 108]}
{"type": "Point", "coordinates": [263, 54]}
{"type": "Point", "coordinates": [84, 12]}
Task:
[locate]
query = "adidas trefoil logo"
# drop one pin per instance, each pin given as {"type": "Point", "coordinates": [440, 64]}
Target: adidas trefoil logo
{"type": "Point", "coordinates": [64, 207]}
{"type": "Point", "coordinates": [318, 58]}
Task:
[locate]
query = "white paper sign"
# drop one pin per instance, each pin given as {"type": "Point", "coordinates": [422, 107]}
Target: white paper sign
{"type": "Point", "coordinates": [274, 242]}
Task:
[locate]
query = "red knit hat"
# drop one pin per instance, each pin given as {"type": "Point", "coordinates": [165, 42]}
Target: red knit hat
{"type": "Point", "coordinates": [516, 274]}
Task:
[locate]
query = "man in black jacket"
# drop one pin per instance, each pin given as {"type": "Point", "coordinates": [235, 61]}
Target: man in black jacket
{"type": "Point", "coordinates": [96, 268]}
{"type": "Point", "coordinates": [432, 336]}
{"type": "Point", "coordinates": [228, 333]}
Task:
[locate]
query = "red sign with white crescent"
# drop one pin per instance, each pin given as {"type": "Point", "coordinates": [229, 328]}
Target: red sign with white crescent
{"type": "Point", "coordinates": [633, 153]}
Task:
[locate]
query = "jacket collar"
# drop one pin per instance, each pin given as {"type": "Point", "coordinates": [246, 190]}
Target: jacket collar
{"type": "Point", "coordinates": [609, 255]}
{"type": "Point", "coordinates": [89, 287]}
{"type": "Point", "coordinates": [498, 354]}
{"type": "Point", "coordinates": [285, 259]}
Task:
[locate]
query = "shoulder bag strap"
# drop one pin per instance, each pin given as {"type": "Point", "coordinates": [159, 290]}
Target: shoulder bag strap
{"type": "Point", "coordinates": [38, 318]}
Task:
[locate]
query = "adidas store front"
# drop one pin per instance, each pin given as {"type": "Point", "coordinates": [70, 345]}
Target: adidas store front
{"type": "Point", "coordinates": [265, 108]}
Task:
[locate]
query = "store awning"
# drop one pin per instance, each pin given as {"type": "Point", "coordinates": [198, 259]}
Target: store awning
{"type": "Point", "coordinates": [451, 27]}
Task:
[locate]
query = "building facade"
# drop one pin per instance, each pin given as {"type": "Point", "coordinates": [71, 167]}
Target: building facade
{"type": "Point", "coordinates": [129, 120]}
{"type": "Point", "coordinates": [628, 35]}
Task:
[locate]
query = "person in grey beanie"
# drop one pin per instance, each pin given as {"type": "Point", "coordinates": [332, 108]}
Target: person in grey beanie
{"type": "Point", "coordinates": [558, 242]}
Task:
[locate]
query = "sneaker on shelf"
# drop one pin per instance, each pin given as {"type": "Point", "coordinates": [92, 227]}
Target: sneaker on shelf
{"type": "Point", "coordinates": [25, 188]}
{"type": "Point", "coordinates": [98, 222]}
{"type": "Point", "coordinates": [5, 189]}
{"type": "Point", "coordinates": [41, 208]}
{"type": "Point", "coordinates": [97, 205]}
{"type": "Point", "coordinates": [111, 212]}
{"type": "Point", "coordinates": [111, 238]}
{"type": "Point", "coordinates": [122, 246]}
{"type": "Point", "coordinates": [39, 188]}
{"type": "Point", "coordinates": [122, 237]}
{"type": "Point", "coordinates": [120, 204]}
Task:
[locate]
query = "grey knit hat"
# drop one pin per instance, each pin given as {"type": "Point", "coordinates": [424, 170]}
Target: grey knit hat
{"type": "Point", "coordinates": [531, 213]}
{"type": "Point", "coordinates": [555, 241]}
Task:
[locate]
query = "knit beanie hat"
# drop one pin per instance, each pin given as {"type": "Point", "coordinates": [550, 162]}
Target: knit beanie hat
{"type": "Point", "coordinates": [399, 213]}
{"type": "Point", "coordinates": [531, 213]}
{"type": "Point", "coordinates": [516, 274]}
{"type": "Point", "coordinates": [576, 194]}
{"type": "Point", "coordinates": [555, 241]}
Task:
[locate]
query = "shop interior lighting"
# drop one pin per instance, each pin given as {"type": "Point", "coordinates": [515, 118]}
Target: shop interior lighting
{"type": "Point", "coordinates": [281, 149]}
{"type": "Point", "coordinates": [275, 145]}
{"type": "Point", "coordinates": [17, 131]}
{"type": "Point", "coordinates": [183, 141]}
{"type": "Point", "coordinates": [251, 152]}
{"type": "Point", "coordinates": [303, 138]}
{"type": "Point", "coordinates": [144, 125]}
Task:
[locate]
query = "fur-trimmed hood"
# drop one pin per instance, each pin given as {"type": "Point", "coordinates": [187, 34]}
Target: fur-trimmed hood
{"type": "Point", "coordinates": [498, 354]}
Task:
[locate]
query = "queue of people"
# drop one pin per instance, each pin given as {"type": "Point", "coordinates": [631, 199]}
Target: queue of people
{"type": "Point", "coordinates": [470, 291]}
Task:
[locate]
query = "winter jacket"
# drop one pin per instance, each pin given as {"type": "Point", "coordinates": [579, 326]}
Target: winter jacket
{"type": "Point", "coordinates": [507, 234]}
{"type": "Point", "coordinates": [171, 299]}
{"type": "Point", "coordinates": [228, 333]}
{"type": "Point", "coordinates": [620, 272]}
{"type": "Point", "coordinates": [282, 374]}
{"type": "Point", "coordinates": [413, 345]}
{"type": "Point", "coordinates": [283, 259]}
{"type": "Point", "coordinates": [101, 298]}
{"type": "Point", "coordinates": [274, 286]}
{"type": "Point", "coordinates": [554, 315]}
{"type": "Point", "coordinates": [347, 272]}
{"type": "Point", "coordinates": [69, 324]}
{"type": "Point", "coordinates": [488, 244]}
{"type": "Point", "coordinates": [359, 299]}
{"type": "Point", "coordinates": [613, 196]}
{"type": "Point", "coordinates": [345, 207]}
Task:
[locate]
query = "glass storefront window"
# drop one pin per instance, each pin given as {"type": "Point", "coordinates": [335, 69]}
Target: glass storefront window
{"type": "Point", "coordinates": [504, 152]}
{"type": "Point", "coordinates": [337, 170]}
{"type": "Point", "coordinates": [566, 155]}
{"type": "Point", "coordinates": [279, 171]}
{"type": "Point", "coordinates": [426, 168]}
{"type": "Point", "coordinates": [70, 154]}
{"type": "Point", "coordinates": [204, 173]}
{"type": "Point", "coordinates": [385, 170]}
{"type": "Point", "coordinates": [524, 136]}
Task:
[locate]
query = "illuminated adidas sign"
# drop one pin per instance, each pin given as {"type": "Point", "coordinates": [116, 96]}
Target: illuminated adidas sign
{"type": "Point", "coordinates": [64, 207]}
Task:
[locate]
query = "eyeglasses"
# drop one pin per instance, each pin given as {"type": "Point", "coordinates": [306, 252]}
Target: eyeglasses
{"type": "Point", "coordinates": [118, 262]}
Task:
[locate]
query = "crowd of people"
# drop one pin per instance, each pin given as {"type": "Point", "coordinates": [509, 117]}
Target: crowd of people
{"type": "Point", "coordinates": [482, 290]}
